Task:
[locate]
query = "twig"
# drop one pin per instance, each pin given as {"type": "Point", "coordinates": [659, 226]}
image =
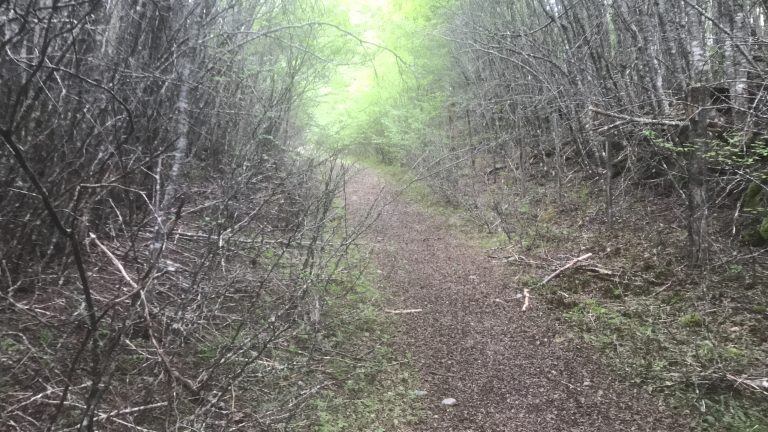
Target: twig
{"type": "Point", "coordinates": [758, 384]}
{"type": "Point", "coordinates": [526, 297]}
{"type": "Point", "coordinates": [661, 289]}
{"type": "Point", "coordinates": [131, 410]}
{"type": "Point", "coordinates": [599, 270]}
{"type": "Point", "coordinates": [114, 261]}
{"type": "Point", "coordinates": [186, 383]}
{"type": "Point", "coordinates": [566, 267]}
{"type": "Point", "coordinates": [403, 311]}
{"type": "Point", "coordinates": [641, 120]}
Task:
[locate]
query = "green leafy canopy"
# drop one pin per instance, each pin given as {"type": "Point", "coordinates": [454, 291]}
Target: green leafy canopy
{"type": "Point", "coordinates": [379, 98]}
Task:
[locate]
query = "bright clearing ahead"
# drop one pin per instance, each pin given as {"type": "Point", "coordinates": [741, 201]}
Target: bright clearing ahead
{"type": "Point", "coordinates": [378, 100]}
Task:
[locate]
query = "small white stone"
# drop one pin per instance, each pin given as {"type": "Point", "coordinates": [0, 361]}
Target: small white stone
{"type": "Point", "coordinates": [449, 402]}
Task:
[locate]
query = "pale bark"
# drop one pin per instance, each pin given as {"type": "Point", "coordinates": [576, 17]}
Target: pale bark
{"type": "Point", "coordinates": [696, 45]}
{"type": "Point", "coordinates": [698, 212]}
{"type": "Point", "coordinates": [739, 63]}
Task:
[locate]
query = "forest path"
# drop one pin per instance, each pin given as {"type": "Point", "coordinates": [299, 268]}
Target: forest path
{"type": "Point", "coordinates": [509, 370]}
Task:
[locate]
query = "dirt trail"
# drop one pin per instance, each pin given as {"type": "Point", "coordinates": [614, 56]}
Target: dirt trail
{"type": "Point", "coordinates": [509, 370]}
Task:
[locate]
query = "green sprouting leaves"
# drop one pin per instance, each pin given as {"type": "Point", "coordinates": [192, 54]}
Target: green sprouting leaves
{"type": "Point", "coordinates": [733, 150]}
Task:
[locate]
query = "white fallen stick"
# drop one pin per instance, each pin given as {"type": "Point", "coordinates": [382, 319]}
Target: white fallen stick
{"type": "Point", "coordinates": [403, 311]}
{"type": "Point", "coordinates": [526, 299]}
{"type": "Point", "coordinates": [759, 384]}
{"type": "Point", "coordinates": [598, 270]}
{"type": "Point", "coordinates": [566, 267]}
{"type": "Point", "coordinates": [115, 261]}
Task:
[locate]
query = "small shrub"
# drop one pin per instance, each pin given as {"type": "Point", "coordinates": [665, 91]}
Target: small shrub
{"type": "Point", "coordinates": [692, 320]}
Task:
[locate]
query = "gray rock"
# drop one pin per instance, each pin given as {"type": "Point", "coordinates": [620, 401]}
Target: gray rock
{"type": "Point", "coordinates": [448, 402]}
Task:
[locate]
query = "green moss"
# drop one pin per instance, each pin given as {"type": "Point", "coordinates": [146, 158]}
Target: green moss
{"type": "Point", "coordinates": [734, 353]}
{"type": "Point", "coordinates": [754, 197]}
{"type": "Point", "coordinates": [755, 202]}
{"type": "Point", "coordinates": [753, 237]}
{"type": "Point", "coordinates": [693, 319]}
{"type": "Point", "coordinates": [763, 230]}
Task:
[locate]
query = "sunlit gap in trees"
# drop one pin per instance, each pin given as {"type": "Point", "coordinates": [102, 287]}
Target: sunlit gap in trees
{"type": "Point", "coordinates": [372, 98]}
{"type": "Point", "coordinates": [344, 97]}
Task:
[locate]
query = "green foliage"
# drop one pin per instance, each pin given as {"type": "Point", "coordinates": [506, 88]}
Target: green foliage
{"type": "Point", "coordinates": [746, 155]}
{"type": "Point", "coordinates": [642, 346]}
{"type": "Point", "coordinates": [375, 390]}
{"type": "Point", "coordinates": [729, 414]}
{"type": "Point", "coordinates": [8, 345]}
{"type": "Point", "coordinates": [379, 104]}
{"type": "Point", "coordinates": [693, 319]}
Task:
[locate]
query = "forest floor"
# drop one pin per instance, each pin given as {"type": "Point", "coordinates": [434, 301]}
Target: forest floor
{"type": "Point", "coordinates": [461, 320]}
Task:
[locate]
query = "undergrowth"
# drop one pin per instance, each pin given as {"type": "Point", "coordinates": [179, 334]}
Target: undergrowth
{"type": "Point", "coordinates": [697, 337]}
{"type": "Point", "coordinates": [374, 385]}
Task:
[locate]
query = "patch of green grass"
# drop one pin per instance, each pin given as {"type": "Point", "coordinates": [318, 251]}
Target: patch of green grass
{"type": "Point", "coordinates": [206, 352]}
{"type": "Point", "coordinates": [8, 345]}
{"type": "Point", "coordinates": [375, 393]}
{"type": "Point", "coordinates": [492, 241]}
{"type": "Point", "coordinates": [374, 384]}
{"type": "Point", "coordinates": [685, 362]}
{"type": "Point", "coordinates": [729, 413]}
{"type": "Point", "coordinates": [692, 319]}
{"type": "Point", "coordinates": [374, 396]}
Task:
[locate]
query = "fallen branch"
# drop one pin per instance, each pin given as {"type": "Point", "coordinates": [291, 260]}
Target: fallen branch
{"type": "Point", "coordinates": [166, 362]}
{"type": "Point", "coordinates": [403, 311]}
{"type": "Point", "coordinates": [757, 384]}
{"type": "Point", "coordinates": [515, 257]}
{"type": "Point", "coordinates": [641, 120]}
{"type": "Point", "coordinates": [115, 261]}
{"type": "Point", "coordinates": [566, 267]}
{"type": "Point", "coordinates": [598, 270]}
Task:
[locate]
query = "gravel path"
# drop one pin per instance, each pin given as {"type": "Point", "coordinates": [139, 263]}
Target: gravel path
{"type": "Point", "coordinates": [508, 370]}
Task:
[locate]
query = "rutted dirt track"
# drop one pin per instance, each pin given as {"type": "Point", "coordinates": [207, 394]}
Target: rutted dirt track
{"type": "Point", "coordinates": [509, 370]}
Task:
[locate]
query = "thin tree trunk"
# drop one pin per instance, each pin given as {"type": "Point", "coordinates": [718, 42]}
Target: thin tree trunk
{"type": "Point", "coordinates": [739, 65]}
{"type": "Point", "coordinates": [698, 99]}
{"type": "Point", "coordinates": [696, 45]}
{"type": "Point", "coordinates": [608, 183]}
{"type": "Point", "coordinates": [164, 204]}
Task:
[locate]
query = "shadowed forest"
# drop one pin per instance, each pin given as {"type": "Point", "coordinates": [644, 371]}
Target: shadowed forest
{"type": "Point", "coordinates": [340, 215]}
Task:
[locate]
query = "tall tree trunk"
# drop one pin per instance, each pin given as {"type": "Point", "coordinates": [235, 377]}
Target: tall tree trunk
{"type": "Point", "coordinates": [699, 114]}
{"type": "Point", "coordinates": [739, 64]}
{"type": "Point", "coordinates": [697, 48]}
{"type": "Point", "coordinates": [168, 195]}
